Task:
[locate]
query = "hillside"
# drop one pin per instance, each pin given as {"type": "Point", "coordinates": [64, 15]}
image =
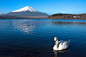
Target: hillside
{"type": "Point", "coordinates": [67, 16]}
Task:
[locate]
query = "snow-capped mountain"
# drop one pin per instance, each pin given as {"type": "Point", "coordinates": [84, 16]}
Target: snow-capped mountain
{"type": "Point", "coordinates": [27, 12]}
{"type": "Point", "coordinates": [26, 8]}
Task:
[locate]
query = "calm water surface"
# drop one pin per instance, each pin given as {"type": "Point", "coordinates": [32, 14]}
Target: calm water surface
{"type": "Point", "coordinates": [34, 37]}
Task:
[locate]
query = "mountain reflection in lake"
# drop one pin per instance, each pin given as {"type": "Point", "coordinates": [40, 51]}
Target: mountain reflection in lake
{"type": "Point", "coordinates": [35, 37]}
{"type": "Point", "coordinates": [25, 26]}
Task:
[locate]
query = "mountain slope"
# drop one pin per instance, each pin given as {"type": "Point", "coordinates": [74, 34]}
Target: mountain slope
{"type": "Point", "coordinates": [10, 17]}
{"type": "Point", "coordinates": [27, 13]}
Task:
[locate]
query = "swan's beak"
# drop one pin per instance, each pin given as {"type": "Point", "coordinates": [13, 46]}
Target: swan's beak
{"type": "Point", "coordinates": [55, 42]}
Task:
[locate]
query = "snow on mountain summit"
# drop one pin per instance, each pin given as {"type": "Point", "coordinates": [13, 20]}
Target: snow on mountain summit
{"type": "Point", "coordinates": [26, 8]}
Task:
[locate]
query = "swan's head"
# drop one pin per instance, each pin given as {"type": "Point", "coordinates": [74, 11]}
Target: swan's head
{"type": "Point", "coordinates": [55, 39]}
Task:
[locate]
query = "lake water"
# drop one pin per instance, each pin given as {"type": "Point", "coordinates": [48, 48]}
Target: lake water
{"type": "Point", "coordinates": [35, 37]}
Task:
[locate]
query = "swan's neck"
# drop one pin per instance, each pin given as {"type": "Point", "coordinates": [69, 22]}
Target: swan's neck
{"type": "Point", "coordinates": [57, 43]}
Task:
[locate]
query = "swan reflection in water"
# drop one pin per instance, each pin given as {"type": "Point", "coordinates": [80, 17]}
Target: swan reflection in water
{"type": "Point", "coordinates": [25, 26]}
{"type": "Point", "coordinates": [59, 51]}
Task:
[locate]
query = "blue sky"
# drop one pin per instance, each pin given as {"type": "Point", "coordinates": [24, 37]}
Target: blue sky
{"type": "Point", "coordinates": [47, 6]}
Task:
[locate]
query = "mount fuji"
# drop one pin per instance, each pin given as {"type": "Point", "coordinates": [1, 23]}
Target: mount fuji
{"type": "Point", "coordinates": [27, 12]}
{"type": "Point", "coordinates": [26, 8]}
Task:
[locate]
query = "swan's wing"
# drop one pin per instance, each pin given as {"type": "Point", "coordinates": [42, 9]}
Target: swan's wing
{"type": "Point", "coordinates": [61, 42]}
{"type": "Point", "coordinates": [64, 44]}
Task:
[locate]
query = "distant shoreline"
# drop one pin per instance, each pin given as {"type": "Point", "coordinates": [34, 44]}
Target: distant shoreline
{"type": "Point", "coordinates": [67, 16]}
{"type": "Point", "coordinates": [52, 19]}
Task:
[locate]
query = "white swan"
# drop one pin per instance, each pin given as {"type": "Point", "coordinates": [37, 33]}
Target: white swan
{"type": "Point", "coordinates": [61, 45]}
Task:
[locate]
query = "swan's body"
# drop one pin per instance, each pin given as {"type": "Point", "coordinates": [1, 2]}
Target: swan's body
{"type": "Point", "coordinates": [61, 45]}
